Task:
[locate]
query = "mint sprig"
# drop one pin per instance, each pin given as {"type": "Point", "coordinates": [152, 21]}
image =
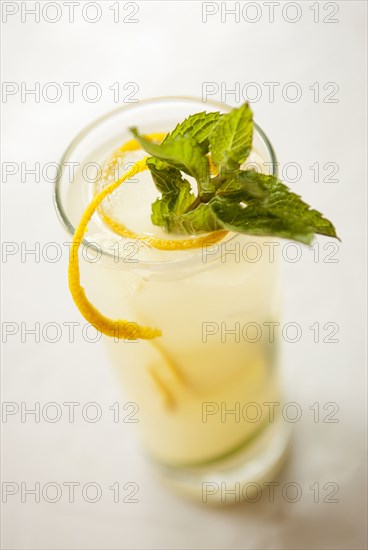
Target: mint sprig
{"type": "Point", "coordinates": [234, 199]}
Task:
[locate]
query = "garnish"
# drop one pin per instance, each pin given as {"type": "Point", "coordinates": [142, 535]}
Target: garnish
{"type": "Point", "coordinates": [233, 199]}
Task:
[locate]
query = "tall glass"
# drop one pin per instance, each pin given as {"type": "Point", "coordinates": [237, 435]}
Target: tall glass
{"type": "Point", "coordinates": [206, 389]}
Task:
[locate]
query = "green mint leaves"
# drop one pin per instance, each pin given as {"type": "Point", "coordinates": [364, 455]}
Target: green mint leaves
{"type": "Point", "coordinates": [238, 200]}
{"type": "Point", "coordinates": [258, 204]}
{"type": "Point", "coordinates": [173, 211]}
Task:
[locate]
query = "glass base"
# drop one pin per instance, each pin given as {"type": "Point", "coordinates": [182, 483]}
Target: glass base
{"type": "Point", "coordinates": [238, 477]}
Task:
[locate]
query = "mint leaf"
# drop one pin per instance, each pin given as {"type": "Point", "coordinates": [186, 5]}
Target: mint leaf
{"type": "Point", "coordinates": [167, 179]}
{"type": "Point", "coordinates": [182, 153]}
{"type": "Point", "coordinates": [200, 220]}
{"type": "Point", "coordinates": [171, 206]}
{"type": "Point", "coordinates": [175, 190]}
{"type": "Point", "coordinates": [231, 138]}
{"type": "Point", "coordinates": [198, 126]}
{"type": "Point", "coordinates": [242, 185]}
{"type": "Point", "coordinates": [279, 212]}
{"type": "Point", "coordinates": [284, 203]}
{"type": "Point", "coordinates": [170, 211]}
{"type": "Point", "coordinates": [255, 219]}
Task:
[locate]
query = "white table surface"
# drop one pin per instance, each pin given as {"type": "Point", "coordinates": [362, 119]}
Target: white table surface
{"type": "Point", "coordinates": [170, 51]}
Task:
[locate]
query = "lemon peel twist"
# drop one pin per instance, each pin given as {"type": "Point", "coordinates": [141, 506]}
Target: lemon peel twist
{"type": "Point", "coordinates": [120, 328]}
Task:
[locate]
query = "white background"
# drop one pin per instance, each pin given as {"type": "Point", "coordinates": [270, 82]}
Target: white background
{"type": "Point", "coordinates": [171, 51]}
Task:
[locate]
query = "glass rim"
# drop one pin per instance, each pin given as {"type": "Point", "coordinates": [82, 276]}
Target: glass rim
{"type": "Point", "coordinates": [57, 200]}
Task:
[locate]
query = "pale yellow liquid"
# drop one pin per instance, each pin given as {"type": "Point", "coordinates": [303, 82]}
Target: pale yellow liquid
{"type": "Point", "coordinates": [172, 377]}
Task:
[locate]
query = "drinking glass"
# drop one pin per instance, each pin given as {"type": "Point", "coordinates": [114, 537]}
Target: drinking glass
{"type": "Point", "coordinates": [207, 390]}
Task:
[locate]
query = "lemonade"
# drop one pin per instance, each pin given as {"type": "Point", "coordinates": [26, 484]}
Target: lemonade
{"type": "Point", "coordinates": [171, 379]}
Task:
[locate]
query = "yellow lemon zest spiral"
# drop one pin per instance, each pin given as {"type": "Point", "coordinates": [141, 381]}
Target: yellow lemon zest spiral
{"type": "Point", "coordinates": [120, 328]}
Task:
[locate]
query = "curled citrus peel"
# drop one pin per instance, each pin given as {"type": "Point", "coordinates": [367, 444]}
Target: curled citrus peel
{"type": "Point", "coordinates": [120, 328]}
{"type": "Point", "coordinates": [156, 242]}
